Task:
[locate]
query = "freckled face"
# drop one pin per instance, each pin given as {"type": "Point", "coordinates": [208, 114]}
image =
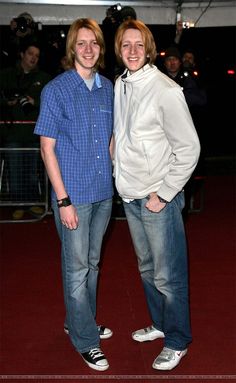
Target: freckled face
{"type": "Point", "coordinates": [132, 50]}
{"type": "Point", "coordinates": [87, 50]}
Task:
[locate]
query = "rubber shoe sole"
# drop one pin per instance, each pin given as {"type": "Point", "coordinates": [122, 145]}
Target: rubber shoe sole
{"type": "Point", "coordinates": [147, 334]}
{"type": "Point", "coordinates": [104, 332]}
{"type": "Point", "coordinates": [168, 359]}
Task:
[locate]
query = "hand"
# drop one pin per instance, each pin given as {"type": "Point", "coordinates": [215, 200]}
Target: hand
{"type": "Point", "coordinates": [154, 205]}
{"type": "Point", "coordinates": [179, 27]}
{"type": "Point", "coordinates": [13, 24]}
{"type": "Point", "coordinates": [30, 99]}
{"type": "Point", "coordinates": [12, 102]}
{"type": "Point", "coordinates": [69, 217]}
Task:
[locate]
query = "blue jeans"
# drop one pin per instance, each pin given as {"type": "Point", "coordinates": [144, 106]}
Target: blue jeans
{"type": "Point", "coordinates": [80, 258]}
{"type": "Point", "coordinates": [160, 245]}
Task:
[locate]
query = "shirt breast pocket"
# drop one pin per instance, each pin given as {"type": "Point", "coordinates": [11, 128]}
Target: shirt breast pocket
{"type": "Point", "coordinates": [105, 109]}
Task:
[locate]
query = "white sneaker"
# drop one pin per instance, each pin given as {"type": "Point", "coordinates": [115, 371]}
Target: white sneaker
{"type": "Point", "coordinates": [168, 359]}
{"type": "Point", "coordinates": [147, 334]}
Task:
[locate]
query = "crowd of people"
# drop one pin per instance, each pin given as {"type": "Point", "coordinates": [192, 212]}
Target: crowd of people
{"type": "Point", "coordinates": [141, 132]}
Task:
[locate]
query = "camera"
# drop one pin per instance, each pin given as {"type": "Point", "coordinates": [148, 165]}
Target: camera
{"type": "Point", "coordinates": [113, 10]}
{"type": "Point", "coordinates": [116, 14]}
{"type": "Point", "coordinates": [26, 106]}
{"type": "Point", "coordinates": [186, 24]}
{"type": "Point", "coordinates": [21, 24]}
{"type": "Point", "coordinates": [24, 22]}
{"type": "Point", "coordinates": [23, 101]}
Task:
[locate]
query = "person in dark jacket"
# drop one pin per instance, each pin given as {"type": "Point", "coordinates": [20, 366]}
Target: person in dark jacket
{"type": "Point", "coordinates": [194, 95]}
{"type": "Point", "coordinates": [181, 70]}
{"type": "Point", "coordinates": [21, 86]}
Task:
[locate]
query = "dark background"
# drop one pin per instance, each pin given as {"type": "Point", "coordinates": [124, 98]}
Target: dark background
{"type": "Point", "coordinates": [216, 53]}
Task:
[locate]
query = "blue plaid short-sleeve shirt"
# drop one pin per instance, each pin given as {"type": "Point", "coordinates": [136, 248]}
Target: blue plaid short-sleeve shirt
{"type": "Point", "coordinates": [81, 121]}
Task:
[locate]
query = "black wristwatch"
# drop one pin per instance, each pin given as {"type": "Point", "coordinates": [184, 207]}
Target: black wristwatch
{"type": "Point", "coordinates": [162, 199]}
{"type": "Point", "coordinates": [64, 202]}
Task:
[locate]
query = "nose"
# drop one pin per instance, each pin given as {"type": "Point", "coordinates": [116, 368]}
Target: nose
{"type": "Point", "coordinates": [133, 48]}
{"type": "Point", "coordinates": [34, 57]}
{"type": "Point", "coordinates": [88, 48]}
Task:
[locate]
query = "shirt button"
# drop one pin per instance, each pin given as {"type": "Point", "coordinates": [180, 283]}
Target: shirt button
{"type": "Point", "coordinates": [98, 156]}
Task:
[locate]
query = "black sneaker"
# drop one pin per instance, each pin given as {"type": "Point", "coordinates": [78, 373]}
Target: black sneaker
{"type": "Point", "coordinates": [95, 359]}
{"type": "Point", "coordinates": [104, 332]}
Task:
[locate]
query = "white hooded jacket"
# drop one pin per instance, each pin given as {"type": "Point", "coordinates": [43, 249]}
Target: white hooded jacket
{"type": "Point", "coordinates": [156, 144]}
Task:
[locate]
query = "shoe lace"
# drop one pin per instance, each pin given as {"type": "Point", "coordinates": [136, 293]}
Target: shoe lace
{"type": "Point", "coordinates": [96, 352]}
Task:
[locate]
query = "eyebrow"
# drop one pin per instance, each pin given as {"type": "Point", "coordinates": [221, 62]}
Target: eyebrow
{"type": "Point", "coordinates": [129, 41]}
{"type": "Point", "coordinates": [84, 39]}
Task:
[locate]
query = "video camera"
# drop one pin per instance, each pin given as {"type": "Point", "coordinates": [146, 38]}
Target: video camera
{"type": "Point", "coordinates": [116, 14]}
{"type": "Point", "coordinates": [23, 23]}
{"type": "Point", "coordinates": [112, 11]}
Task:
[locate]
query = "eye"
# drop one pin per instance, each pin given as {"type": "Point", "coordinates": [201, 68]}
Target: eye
{"type": "Point", "coordinates": [80, 43]}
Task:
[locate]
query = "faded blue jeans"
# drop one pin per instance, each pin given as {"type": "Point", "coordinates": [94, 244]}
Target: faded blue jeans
{"type": "Point", "coordinates": [80, 258]}
{"type": "Point", "coordinates": [160, 245]}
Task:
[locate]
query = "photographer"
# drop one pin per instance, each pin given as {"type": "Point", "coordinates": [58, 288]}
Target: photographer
{"type": "Point", "coordinates": [21, 87]}
{"type": "Point", "coordinates": [115, 15]}
{"type": "Point", "coordinates": [181, 70]}
{"type": "Point", "coordinates": [21, 28]}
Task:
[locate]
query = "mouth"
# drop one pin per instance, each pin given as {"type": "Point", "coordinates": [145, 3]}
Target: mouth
{"type": "Point", "coordinates": [132, 59]}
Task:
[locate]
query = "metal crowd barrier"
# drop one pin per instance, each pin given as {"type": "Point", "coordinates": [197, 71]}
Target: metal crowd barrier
{"type": "Point", "coordinates": [23, 185]}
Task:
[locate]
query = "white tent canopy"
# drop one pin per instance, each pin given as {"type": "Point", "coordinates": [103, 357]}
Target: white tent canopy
{"type": "Point", "coordinates": [56, 12]}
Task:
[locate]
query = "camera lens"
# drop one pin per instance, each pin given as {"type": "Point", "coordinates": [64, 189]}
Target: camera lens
{"type": "Point", "coordinates": [21, 24]}
{"type": "Point", "coordinates": [25, 104]}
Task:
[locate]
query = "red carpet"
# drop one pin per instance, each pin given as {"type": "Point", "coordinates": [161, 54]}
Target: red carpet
{"type": "Point", "coordinates": [33, 344]}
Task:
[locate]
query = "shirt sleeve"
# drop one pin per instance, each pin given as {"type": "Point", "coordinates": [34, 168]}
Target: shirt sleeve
{"type": "Point", "coordinates": [50, 113]}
